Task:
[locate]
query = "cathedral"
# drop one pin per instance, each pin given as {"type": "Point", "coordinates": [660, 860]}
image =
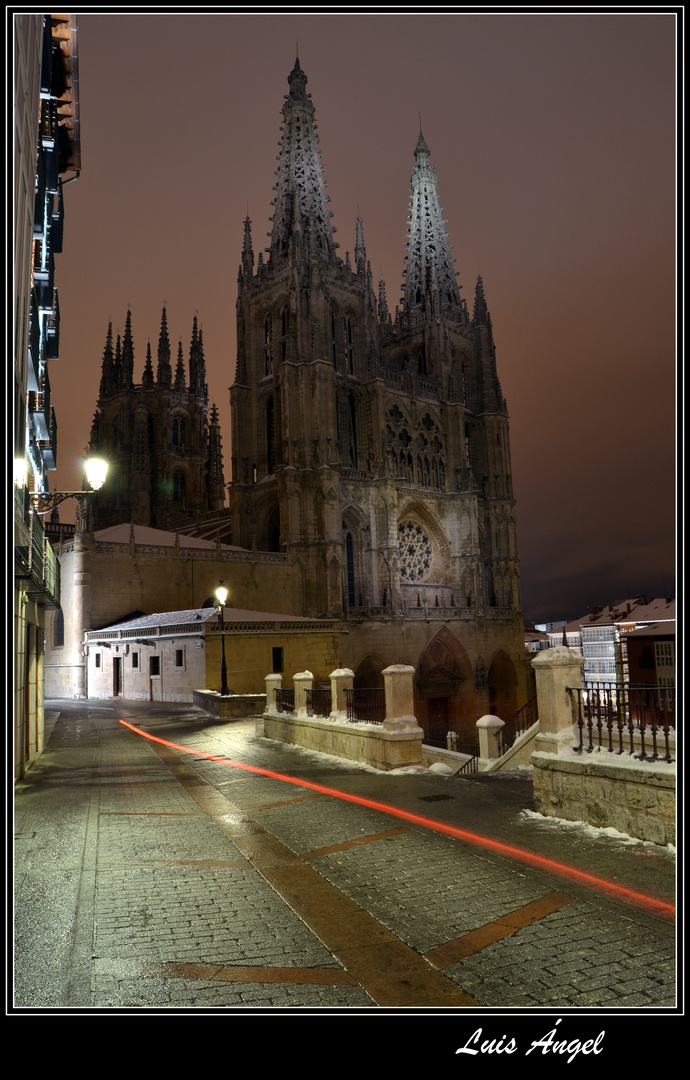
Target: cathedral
{"type": "Point", "coordinates": [369, 447]}
{"type": "Point", "coordinates": [162, 446]}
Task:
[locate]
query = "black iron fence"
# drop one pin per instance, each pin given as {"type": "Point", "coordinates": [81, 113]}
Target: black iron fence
{"type": "Point", "coordinates": [318, 702]}
{"type": "Point", "coordinates": [367, 705]}
{"type": "Point", "coordinates": [465, 741]}
{"type": "Point", "coordinates": [624, 718]}
{"type": "Point", "coordinates": [285, 700]}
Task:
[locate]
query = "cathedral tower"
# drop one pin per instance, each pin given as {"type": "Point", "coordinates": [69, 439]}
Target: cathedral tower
{"type": "Point", "coordinates": [373, 449]}
{"type": "Point", "coordinates": [164, 454]}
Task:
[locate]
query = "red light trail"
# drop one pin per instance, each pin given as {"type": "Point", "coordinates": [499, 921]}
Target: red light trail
{"type": "Point", "coordinates": [649, 903]}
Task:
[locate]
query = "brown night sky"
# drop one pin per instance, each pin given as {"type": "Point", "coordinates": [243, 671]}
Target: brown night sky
{"type": "Point", "coordinates": [553, 137]}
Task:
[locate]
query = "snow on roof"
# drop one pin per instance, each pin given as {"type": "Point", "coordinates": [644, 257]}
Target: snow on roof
{"type": "Point", "coordinates": [143, 534]}
{"type": "Point", "coordinates": [659, 629]}
{"type": "Point", "coordinates": [204, 615]}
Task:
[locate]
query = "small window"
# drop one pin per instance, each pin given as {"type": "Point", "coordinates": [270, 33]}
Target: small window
{"type": "Point", "coordinates": [59, 629]}
{"type": "Point", "coordinates": [135, 659]}
{"type": "Point", "coordinates": [179, 657]}
{"type": "Point", "coordinates": [155, 665]}
{"type": "Point", "coordinates": [98, 659]}
{"type": "Point", "coordinates": [277, 660]}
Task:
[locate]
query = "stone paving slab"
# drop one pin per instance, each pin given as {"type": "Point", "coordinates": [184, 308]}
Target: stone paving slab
{"type": "Point", "coordinates": [137, 865]}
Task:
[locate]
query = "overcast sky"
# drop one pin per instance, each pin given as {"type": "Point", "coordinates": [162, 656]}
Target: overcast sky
{"type": "Point", "coordinates": [553, 137]}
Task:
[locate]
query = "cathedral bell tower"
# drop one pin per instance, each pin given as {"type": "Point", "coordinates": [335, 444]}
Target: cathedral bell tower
{"type": "Point", "coordinates": [300, 420]}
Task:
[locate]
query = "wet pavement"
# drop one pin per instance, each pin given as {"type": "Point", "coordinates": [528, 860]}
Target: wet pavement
{"type": "Point", "coordinates": [147, 877]}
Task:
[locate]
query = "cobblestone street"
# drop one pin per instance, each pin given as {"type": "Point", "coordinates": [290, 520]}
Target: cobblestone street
{"type": "Point", "coordinates": [151, 878]}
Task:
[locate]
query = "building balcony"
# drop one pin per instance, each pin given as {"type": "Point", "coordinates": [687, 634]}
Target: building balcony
{"type": "Point", "coordinates": [39, 409]}
{"type": "Point", "coordinates": [50, 451]}
{"type": "Point", "coordinates": [53, 330]}
{"type": "Point", "coordinates": [35, 562]}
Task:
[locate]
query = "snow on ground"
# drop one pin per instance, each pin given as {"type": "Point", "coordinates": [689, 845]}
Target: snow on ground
{"type": "Point", "coordinates": [592, 831]}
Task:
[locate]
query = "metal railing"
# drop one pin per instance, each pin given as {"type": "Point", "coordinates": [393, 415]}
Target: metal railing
{"type": "Point", "coordinates": [470, 766]}
{"type": "Point", "coordinates": [520, 721]}
{"type": "Point", "coordinates": [365, 705]}
{"type": "Point", "coordinates": [318, 702]}
{"type": "Point", "coordinates": [623, 718]}
{"type": "Point", "coordinates": [285, 700]}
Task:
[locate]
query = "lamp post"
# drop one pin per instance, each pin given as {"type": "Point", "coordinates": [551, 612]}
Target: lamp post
{"type": "Point", "coordinates": [96, 470]}
{"type": "Point", "coordinates": [221, 596]}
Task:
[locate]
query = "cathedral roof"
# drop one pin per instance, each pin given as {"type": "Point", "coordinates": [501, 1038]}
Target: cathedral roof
{"type": "Point", "coordinates": [143, 534]}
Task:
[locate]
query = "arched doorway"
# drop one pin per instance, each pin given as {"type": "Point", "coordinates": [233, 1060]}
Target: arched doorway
{"type": "Point", "coordinates": [444, 691]}
{"type": "Point", "coordinates": [502, 685]}
{"type": "Point", "coordinates": [369, 674]}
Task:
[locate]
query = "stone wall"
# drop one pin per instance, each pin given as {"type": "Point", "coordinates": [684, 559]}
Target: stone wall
{"type": "Point", "coordinates": [637, 799]}
{"type": "Point", "coordinates": [602, 788]}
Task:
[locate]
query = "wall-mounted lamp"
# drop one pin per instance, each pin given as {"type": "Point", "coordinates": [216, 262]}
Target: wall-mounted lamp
{"type": "Point", "coordinates": [96, 470]}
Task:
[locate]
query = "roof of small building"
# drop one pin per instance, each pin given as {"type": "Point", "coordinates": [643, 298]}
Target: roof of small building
{"type": "Point", "coordinates": [204, 615]}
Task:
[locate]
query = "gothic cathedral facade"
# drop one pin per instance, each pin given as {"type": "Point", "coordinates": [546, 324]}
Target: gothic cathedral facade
{"type": "Point", "coordinates": [373, 448]}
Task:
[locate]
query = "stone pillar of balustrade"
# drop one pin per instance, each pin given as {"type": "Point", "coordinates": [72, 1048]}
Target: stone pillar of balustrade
{"type": "Point", "coordinates": [302, 681]}
{"type": "Point", "coordinates": [555, 670]}
{"type": "Point", "coordinates": [488, 729]}
{"type": "Point", "coordinates": [399, 689]}
{"type": "Point", "coordinates": [273, 682]}
{"type": "Point", "coordinates": [341, 680]}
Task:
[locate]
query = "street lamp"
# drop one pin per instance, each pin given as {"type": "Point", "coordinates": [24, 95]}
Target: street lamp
{"type": "Point", "coordinates": [96, 470]}
{"type": "Point", "coordinates": [221, 596]}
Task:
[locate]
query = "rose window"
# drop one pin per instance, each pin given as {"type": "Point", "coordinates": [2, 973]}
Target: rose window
{"type": "Point", "coordinates": [415, 551]}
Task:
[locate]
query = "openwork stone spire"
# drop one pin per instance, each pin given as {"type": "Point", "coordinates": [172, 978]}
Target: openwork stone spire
{"type": "Point", "coordinates": [301, 204]}
{"type": "Point", "coordinates": [430, 273]}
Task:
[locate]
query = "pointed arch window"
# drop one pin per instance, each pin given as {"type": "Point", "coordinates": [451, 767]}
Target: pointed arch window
{"type": "Point", "coordinates": [284, 328]}
{"type": "Point", "coordinates": [179, 484]}
{"type": "Point", "coordinates": [350, 569]}
{"type": "Point", "coordinates": [349, 348]}
{"type": "Point", "coordinates": [178, 431]}
{"type": "Point", "coordinates": [268, 348]}
{"type": "Point", "coordinates": [270, 436]}
{"type": "Point", "coordinates": [421, 362]}
{"type": "Point", "coordinates": [351, 433]}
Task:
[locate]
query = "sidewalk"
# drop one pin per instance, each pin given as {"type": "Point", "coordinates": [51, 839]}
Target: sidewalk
{"type": "Point", "coordinates": [151, 878]}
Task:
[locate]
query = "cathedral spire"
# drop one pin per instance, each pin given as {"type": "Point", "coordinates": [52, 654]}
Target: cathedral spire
{"type": "Point", "coordinates": [429, 262]}
{"type": "Point", "coordinates": [128, 355]}
{"type": "Point", "coordinates": [360, 250]}
{"type": "Point", "coordinates": [179, 370]}
{"type": "Point", "coordinates": [147, 380]}
{"type": "Point", "coordinates": [247, 250]}
{"type": "Point", "coordinates": [301, 203]}
{"type": "Point", "coordinates": [107, 366]}
{"type": "Point", "coordinates": [383, 303]}
{"type": "Point", "coordinates": [164, 373]}
{"type": "Point", "coordinates": [117, 363]}
{"type": "Point", "coordinates": [214, 463]}
{"type": "Point", "coordinates": [480, 315]}
{"type": "Point", "coordinates": [201, 385]}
